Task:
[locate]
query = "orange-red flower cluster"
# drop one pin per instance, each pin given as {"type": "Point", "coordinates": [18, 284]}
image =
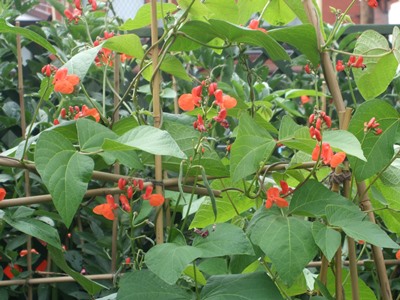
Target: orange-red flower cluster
{"type": "Point", "coordinates": [76, 14]}
{"type": "Point", "coordinates": [353, 62]}
{"type": "Point", "coordinates": [315, 122]}
{"type": "Point", "coordinates": [372, 124]}
{"type": "Point", "coordinates": [327, 155]}
{"type": "Point", "coordinates": [65, 83]}
{"type": "Point", "coordinates": [74, 113]}
{"type": "Point", "coordinates": [86, 112]}
{"type": "Point", "coordinates": [273, 196]}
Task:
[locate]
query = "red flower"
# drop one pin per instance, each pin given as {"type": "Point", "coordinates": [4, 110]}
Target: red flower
{"type": "Point", "coordinates": [78, 4]}
{"type": "Point", "coordinates": [284, 186]}
{"type": "Point", "coordinates": [121, 183]}
{"type": "Point", "coordinates": [254, 25]}
{"type": "Point", "coordinates": [154, 199]}
{"type": "Point", "coordinates": [352, 60]}
{"type": "Point", "coordinates": [327, 155]}
{"type": "Point", "coordinates": [24, 252]}
{"type": "Point", "coordinates": [3, 194]}
{"type": "Point", "coordinates": [212, 88]}
{"type": "Point", "coordinates": [398, 255]}
{"type": "Point", "coordinates": [74, 15]}
{"type": "Point", "coordinates": [48, 70]}
{"type": "Point", "coordinates": [373, 3]}
{"type": "Point", "coordinates": [106, 209]}
{"type": "Point", "coordinates": [273, 197]}
{"type": "Point", "coordinates": [304, 99]}
{"type": "Point", "coordinates": [307, 69]}
{"type": "Point", "coordinates": [10, 271]}
{"type": "Point", "coordinates": [125, 203]}
{"type": "Point", "coordinates": [187, 102]}
{"type": "Point", "coordinates": [224, 101]}
{"type": "Point", "coordinates": [65, 83]}
{"type": "Point", "coordinates": [339, 66]}
{"type": "Point", "coordinates": [42, 266]}
{"type": "Point", "coordinates": [86, 112]}
{"type": "Point", "coordinates": [359, 63]}
{"type": "Point", "coordinates": [199, 124]}
{"type": "Point", "coordinates": [130, 192]}
{"type": "Point", "coordinates": [378, 131]}
{"type": "Point", "coordinates": [93, 3]}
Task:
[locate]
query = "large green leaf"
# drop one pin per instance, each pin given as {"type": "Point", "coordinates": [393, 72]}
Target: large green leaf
{"type": "Point", "coordinates": [143, 15]}
{"type": "Point", "coordinates": [65, 172]}
{"type": "Point", "coordinates": [298, 8]}
{"type": "Point", "coordinates": [128, 44]}
{"type": "Point", "coordinates": [312, 198]}
{"type": "Point", "coordinates": [278, 13]}
{"type": "Point", "coordinates": [342, 140]}
{"type": "Point", "coordinates": [248, 8]}
{"type": "Point", "coordinates": [198, 9]}
{"type": "Point", "coordinates": [57, 256]}
{"type": "Point", "coordinates": [148, 139]}
{"type": "Point", "coordinates": [298, 139]}
{"type": "Point", "coordinates": [381, 68]}
{"type": "Point", "coordinates": [327, 239]}
{"type": "Point", "coordinates": [302, 37]}
{"type": "Point", "coordinates": [351, 223]}
{"type": "Point", "coordinates": [186, 138]}
{"type": "Point", "coordinates": [35, 228]}
{"type": "Point", "coordinates": [253, 145]}
{"type": "Point", "coordinates": [238, 34]}
{"type": "Point", "coordinates": [287, 241]}
{"type": "Point", "coordinates": [223, 239]}
{"type": "Point", "coordinates": [364, 291]}
{"type": "Point", "coordinates": [287, 128]}
{"type": "Point", "coordinates": [91, 135]}
{"type": "Point", "coordinates": [228, 206]}
{"type": "Point", "coordinates": [80, 63]}
{"type": "Point", "coordinates": [145, 285]}
{"type": "Point", "coordinates": [199, 30]}
{"type": "Point", "coordinates": [229, 7]}
{"type": "Point", "coordinates": [378, 149]}
{"type": "Point", "coordinates": [170, 269]}
{"type": "Point", "coordinates": [253, 286]}
{"type": "Point", "coordinates": [26, 33]}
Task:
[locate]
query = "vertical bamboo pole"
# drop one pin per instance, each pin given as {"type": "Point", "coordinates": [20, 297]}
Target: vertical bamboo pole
{"type": "Point", "coordinates": [365, 205]}
{"type": "Point", "coordinates": [23, 131]}
{"type": "Point", "coordinates": [157, 118]}
{"type": "Point", "coordinates": [114, 245]}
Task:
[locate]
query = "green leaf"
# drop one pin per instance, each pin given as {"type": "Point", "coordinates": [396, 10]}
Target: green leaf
{"type": "Point", "coordinates": [92, 134]}
{"type": "Point", "coordinates": [228, 206]}
{"type": "Point", "coordinates": [288, 127]}
{"type": "Point", "coordinates": [342, 140]}
{"type": "Point", "coordinates": [127, 43]}
{"type": "Point", "coordinates": [247, 8]}
{"type": "Point", "coordinates": [293, 245]}
{"type": "Point", "coordinates": [253, 145]}
{"type": "Point", "coordinates": [350, 220]}
{"type": "Point", "coordinates": [170, 269]}
{"type": "Point", "coordinates": [223, 239]}
{"type": "Point", "coordinates": [253, 286]}
{"type": "Point", "coordinates": [378, 149]}
{"type": "Point", "coordinates": [327, 239]}
{"type": "Point", "coordinates": [229, 7]}
{"type": "Point", "coordinates": [197, 10]}
{"type": "Point", "coordinates": [380, 70]}
{"type": "Point", "coordinates": [296, 93]}
{"type": "Point", "coordinates": [26, 33]}
{"type": "Point", "coordinates": [278, 13]}
{"type": "Point", "coordinates": [90, 286]}
{"type": "Point", "coordinates": [186, 138]}
{"type": "Point", "coordinates": [312, 198]}
{"type": "Point", "coordinates": [238, 34]}
{"type": "Point", "coordinates": [143, 15]}
{"type": "Point", "coordinates": [173, 66]}
{"type": "Point", "coordinates": [364, 291]}
{"type": "Point", "coordinates": [298, 8]}
{"type": "Point", "coordinates": [80, 63]}
{"type": "Point", "coordinates": [65, 172]}
{"type": "Point", "coordinates": [148, 139]}
{"type": "Point", "coordinates": [147, 286]}
{"type": "Point", "coordinates": [35, 228]}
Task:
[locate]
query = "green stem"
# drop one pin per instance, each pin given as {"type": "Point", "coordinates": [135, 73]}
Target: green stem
{"type": "Point", "coordinates": [104, 87]}
{"type": "Point", "coordinates": [337, 25]}
{"type": "Point", "coordinates": [35, 114]}
{"type": "Point", "coordinates": [351, 91]}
